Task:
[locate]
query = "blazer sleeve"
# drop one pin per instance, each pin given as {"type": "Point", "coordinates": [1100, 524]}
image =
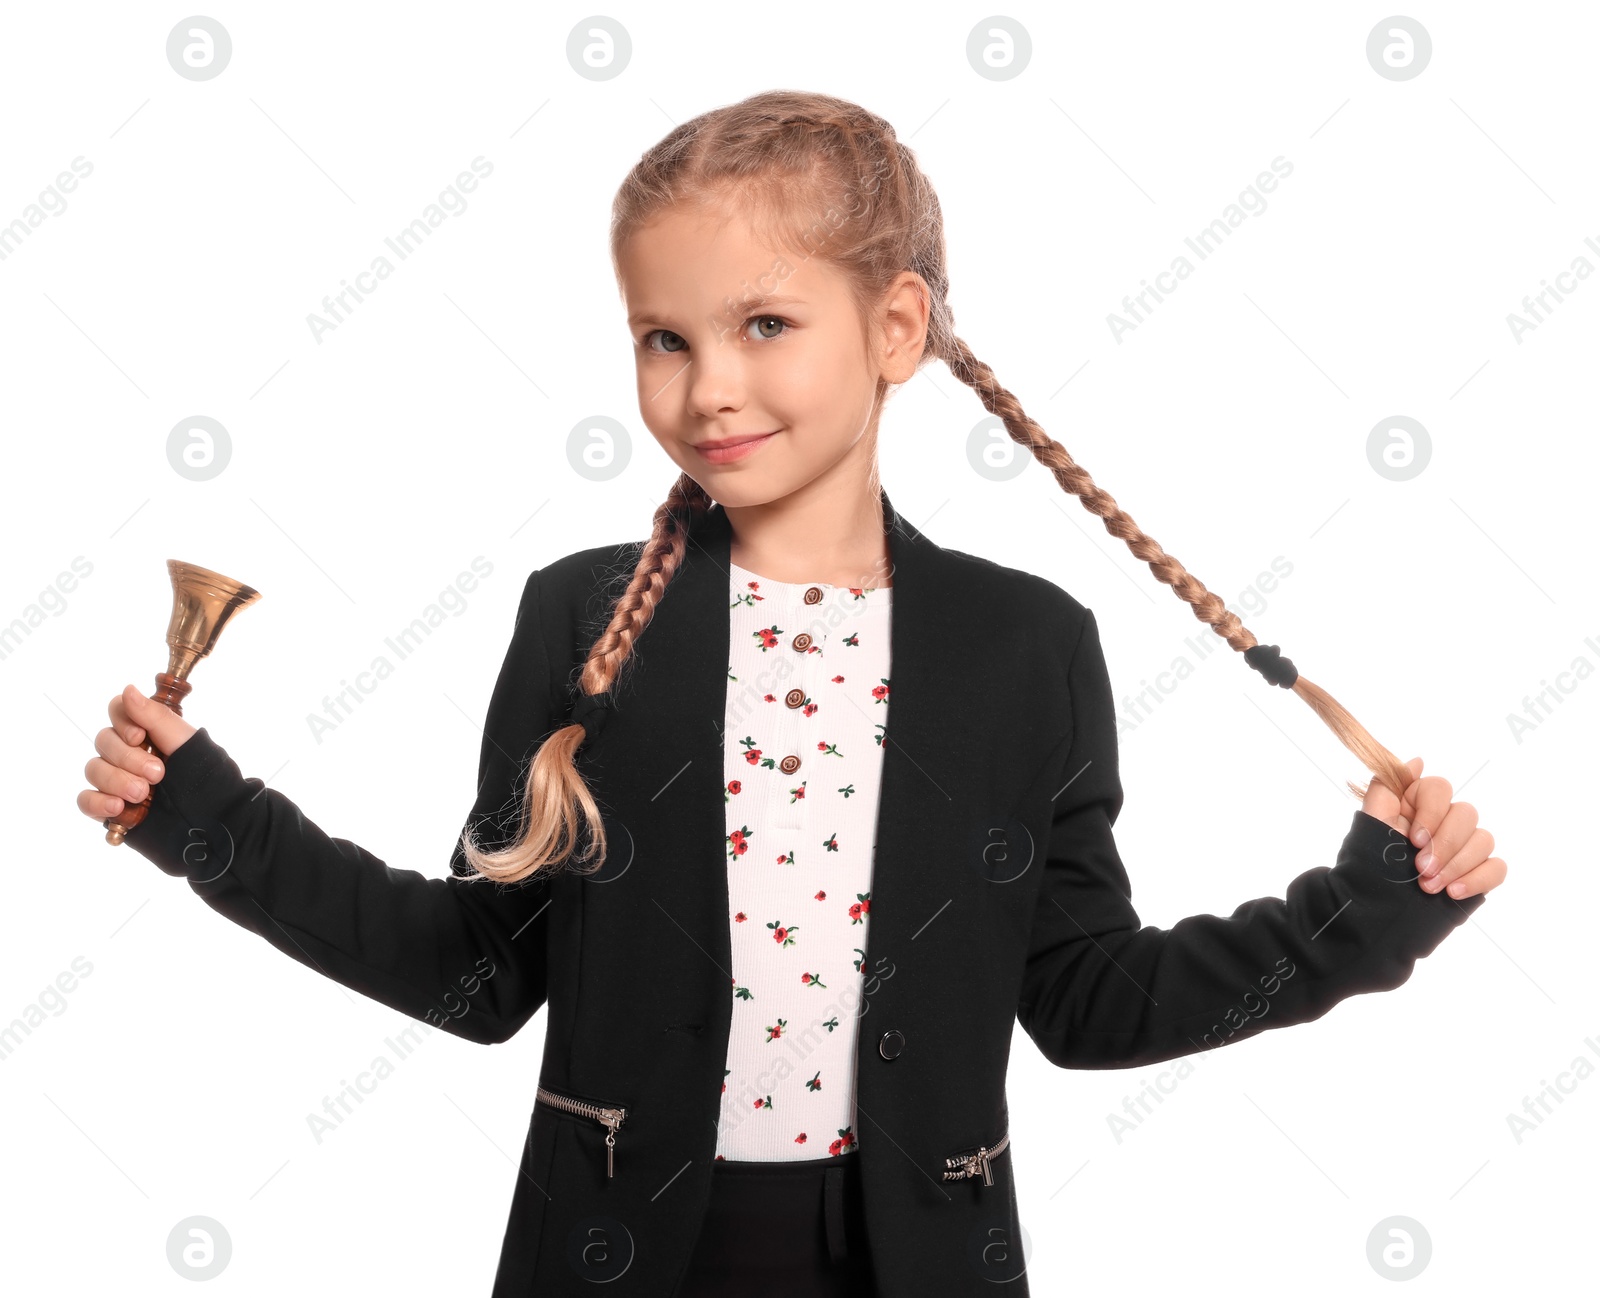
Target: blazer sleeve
{"type": "Point", "coordinates": [467, 957]}
{"type": "Point", "coordinates": [1101, 991]}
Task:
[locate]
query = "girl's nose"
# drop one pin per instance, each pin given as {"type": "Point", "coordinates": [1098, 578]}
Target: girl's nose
{"type": "Point", "coordinates": [715, 384]}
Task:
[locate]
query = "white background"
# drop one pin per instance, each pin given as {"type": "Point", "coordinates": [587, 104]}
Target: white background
{"type": "Point", "coordinates": [368, 469]}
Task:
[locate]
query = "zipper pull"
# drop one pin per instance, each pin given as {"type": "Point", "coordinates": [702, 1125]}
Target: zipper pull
{"type": "Point", "coordinates": [612, 1120]}
{"type": "Point", "coordinates": [983, 1162]}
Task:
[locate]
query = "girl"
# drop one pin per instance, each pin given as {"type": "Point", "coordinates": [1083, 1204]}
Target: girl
{"type": "Point", "coordinates": [702, 841]}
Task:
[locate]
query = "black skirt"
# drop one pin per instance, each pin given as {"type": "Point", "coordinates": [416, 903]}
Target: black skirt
{"type": "Point", "coordinates": [791, 1227]}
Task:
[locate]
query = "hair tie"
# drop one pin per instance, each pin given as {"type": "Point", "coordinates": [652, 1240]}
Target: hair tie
{"type": "Point", "coordinates": [589, 711]}
{"type": "Point", "coordinates": [1266, 659]}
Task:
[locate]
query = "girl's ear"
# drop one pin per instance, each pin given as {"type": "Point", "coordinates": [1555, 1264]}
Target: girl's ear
{"type": "Point", "coordinates": [903, 326]}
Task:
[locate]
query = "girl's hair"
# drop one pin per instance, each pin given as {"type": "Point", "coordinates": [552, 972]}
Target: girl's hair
{"type": "Point", "coordinates": [826, 178]}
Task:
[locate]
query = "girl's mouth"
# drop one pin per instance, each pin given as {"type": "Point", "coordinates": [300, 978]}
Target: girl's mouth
{"type": "Point", "coordinates": [726, 452]}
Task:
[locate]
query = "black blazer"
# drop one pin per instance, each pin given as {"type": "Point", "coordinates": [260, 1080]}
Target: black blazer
{"type": "Point", "coordinates": [997, 895]}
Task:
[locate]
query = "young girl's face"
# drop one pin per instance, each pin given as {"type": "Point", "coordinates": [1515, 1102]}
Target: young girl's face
{"type": "Point", "coordinates": [735, 339]}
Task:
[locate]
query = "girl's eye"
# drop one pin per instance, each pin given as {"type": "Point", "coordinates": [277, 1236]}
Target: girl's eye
{"type": "Point", "coordinates": [665, 335]}
{"type": "Point", "coordinates": [761, 320]}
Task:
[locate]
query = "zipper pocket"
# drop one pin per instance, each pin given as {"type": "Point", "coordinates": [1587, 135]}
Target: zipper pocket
{"type": "Point", "coordinates": [973, 1162]}
{"type": "Point", "coordinates": [609, 1118]}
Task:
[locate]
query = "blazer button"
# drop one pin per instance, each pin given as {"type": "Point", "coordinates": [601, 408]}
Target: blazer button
{"type": "Point", "coordinates": [802, 642]}
{"type": "Point", "coordinates": [813, 595]}
{"type": "Point", "coordinates": [789, 765]}
{"type": "Point", "coordinates": [892, 1043]}
{"type": "Point", "coordinates": [795, 699]}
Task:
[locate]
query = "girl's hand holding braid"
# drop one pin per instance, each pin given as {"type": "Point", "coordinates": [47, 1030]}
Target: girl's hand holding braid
{"type": "Point", "coordinates": [1453, 851]}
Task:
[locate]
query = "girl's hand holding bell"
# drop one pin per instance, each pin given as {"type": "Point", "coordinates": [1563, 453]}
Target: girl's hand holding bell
{"type": "Point", "coordinates": [123, 772]}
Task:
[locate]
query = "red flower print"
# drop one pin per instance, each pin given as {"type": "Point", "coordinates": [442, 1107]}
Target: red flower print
{"type": "Point", "coordinates": [764, 1104]}
{"type": "Point", "coordinates": [822, 896]}
{"type": "Point", "coordinates": [831, 842]}
{"type": "Point", "coordinates": [769, 698]}
{"type": "Point", "coordinates": [773, 1033]}
{"type": "Point", "coordinates": [853, 639]}
{"type": "Point", "coordinates": [846, 1141]}
{"type": "Point", "coordinates": [740, 917]}
{"type": "Point", "coordinates": [738, 842]}
{"type": "Point", "coordinates": [811, 980]}
{"type": "Point", "coordinates": [768, 636]}
{"type": "Point", "coordinates": [809, 708]}
{"type": "Point", "coordinates": [838, 680]}
{"type": "Point", "coordinates": [800, 1139]}
{"type": "Point", "coordinates": [783, 934]}
{"type": "Point", "coordinates": [787, 858]}
{"type": "Point", "coordinates": [735, 786]}
{"type": "Point", "coordinates": [829, 748]}
{"type": "Point", "coordinates": [815, 1083]}
{"type": "Point", "coordinates": [881, 692]}
{"type": "Point", "coordinates": [862, 906]}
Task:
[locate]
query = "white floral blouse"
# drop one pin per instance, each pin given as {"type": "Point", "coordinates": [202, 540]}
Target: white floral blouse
{"type": "Point", "coordinates": [808, 700]}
